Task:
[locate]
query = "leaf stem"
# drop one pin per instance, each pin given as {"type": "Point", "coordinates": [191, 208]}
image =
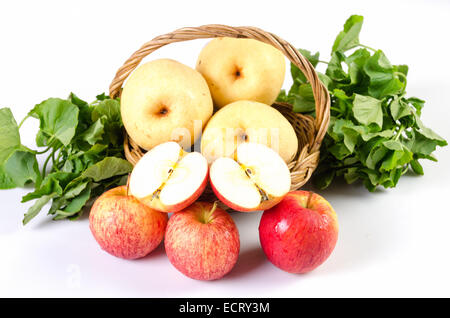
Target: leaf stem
{"type": "Point", "coordinates": [23, 120]}
{"type": "Point", "coordinates": [403, 76]}
{"type": "Point", "coordinates": [336, 109]}
{"type": "Point", "coordinates": [59, 156]}
{"type": "Point", "coordinates": [43, 151]}
{"type": "Point", "coordinates": [44, 168]}
{"type": "Point", "coordinates": [405, 169]}
{"type": "Point", "coordinates": [55, 166]}
{"type": "Point", "coordinates": [367, 47]}
{"type": "Point", "coordinates": [50, 144]}
{"type": "Point", "coordinates": [399, 133]}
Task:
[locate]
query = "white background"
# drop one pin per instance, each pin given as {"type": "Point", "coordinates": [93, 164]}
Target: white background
{"type": "Point", "coordinates": [391, 243]}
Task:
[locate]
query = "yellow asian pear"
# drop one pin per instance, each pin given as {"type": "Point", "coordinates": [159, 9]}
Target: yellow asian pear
{"type": "Point", "coordinates": [164, 100]}
{"type": "Point", "coordinates": [241, 69]}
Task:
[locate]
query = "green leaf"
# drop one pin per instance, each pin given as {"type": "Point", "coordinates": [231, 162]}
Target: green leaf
{"type": "Point", "coordinates": [402, 69]}
{"type": "Point", "coordinates": [356, 63]}
{"type": "Point", "coordinates": [75, 187]}
{"type": "Point", "coordinates": [334, 70]}
{"type": "Point", "coordinates": [85, 145]}
{"type": "Point", "coordinates": [18, 164]}
{"type": "Point", "coordinates": [383, 80]}
{"type": "Point", "coordinates": [68, 166]}
{"type": "Point", "coordinates": [102, 96]}
{"type": "Point", "coordinates": [55, 182]}
{"type": "Point", "coordinates": [75, 205]}
{"type": "Point", "coordinates": [107, 168]}
{"type": "Point", "coordinates": [323, 179]}
{"type": "Point", "coordinates": [282, 96]}
{"type": "Point", "coordinates": [22, 167]}
{"type": "Point", "coordinates": [399, 108]}
{"type": "Point", "coordinates": [351, 137]}
{"type": "Point", "coordinates": [297, 75]}
{"type": "Point", "coordinates": [77, 101]}
{"type": "Point", "coordinates": [367, 110]}
{"type": "Point", "coordinates": [430, 134]}
{"type": "Point", "coordinates": [335, 129]}
{"type": "Point", "coordinates": [369, 135]}
{"type": "Point", "coordinates": [9, 134]}
{"type": "Point", "coordinates": [6, 182]}
{"type": "Point", "coordinates": [351, 175]}
{"type": "Point", "coordinates": [340, 151]}
{"type": "Point", "coordinates": [41, 139]}
{"type": "Point", "coordinates": [304, 99]}
{"type": "Point", "coordinates": [312, 58]}
{"type": "Point", "coordinates": [375, 132]}
{"type": "Point", "coordinates": [420, 144]}
{"type": "Point", "coordinates": [94, 133]}
{"type": "Point", "coordinates": [349, 37]}
{"type": "Point", "coordinates": [416, 167]}
{"type": "Point", "coordinates": [58, 119]}
{"type": "Point", "coordinates": [342, 104]}
{"type": "Point", "coordinates": [85, 111]}
{"type": "Point", "coordinates": [108, 111]}
{"type": "Point", "coordinates": [417, 103]}
{"type": "Point", "coordinates": [393, 145]}
{"type": "Point", "coordinates": [373, 177]}
{"type": "Point", "coordinates": [325, 80]}
{"type": "Point", "coordinates": [348, 132]}
{"type": "Point", "coordinates": [398, 157]}
{"type": "Point", "coordinates": [109, 108]}
{"type": "Point", "coordinates": [37, 207]}
{"type": "Point", "coordinates": [376, 155]}
{"type": "Point", "coordinates": [95, 153]}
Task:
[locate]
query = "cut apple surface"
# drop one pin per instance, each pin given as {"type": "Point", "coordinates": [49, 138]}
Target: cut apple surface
{"type": "Point", "coordinates": [169, 179]}
{"type": "Point", "coordinates": [256, 179]}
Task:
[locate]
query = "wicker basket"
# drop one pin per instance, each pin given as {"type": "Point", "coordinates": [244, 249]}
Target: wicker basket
{"type": "Point", "coordinates": [310, 131]}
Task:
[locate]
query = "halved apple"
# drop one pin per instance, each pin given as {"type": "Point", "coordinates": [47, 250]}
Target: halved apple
{"type": "Point", "coordinates": [169, 179]}
{"type": "Point", "coordinates": [257, 179]}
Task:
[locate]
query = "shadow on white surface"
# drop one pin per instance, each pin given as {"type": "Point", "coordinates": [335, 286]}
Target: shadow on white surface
{"type": "Point", "coordinates": [361, 241]}
{"type": "Point", "coordinates": [249, 261]}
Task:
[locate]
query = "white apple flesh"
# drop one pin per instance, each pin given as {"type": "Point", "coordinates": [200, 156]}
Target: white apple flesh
{"type": "Point", "coordinates": [168, 179]}
{"type": "Point", "coordinates": [257, 179]}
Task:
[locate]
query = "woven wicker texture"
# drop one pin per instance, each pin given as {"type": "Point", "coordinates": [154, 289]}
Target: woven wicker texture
{"type": "Point", "coordinates": [310, 131]}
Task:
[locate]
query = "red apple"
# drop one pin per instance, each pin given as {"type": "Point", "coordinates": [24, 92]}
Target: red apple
{"type": "Point", "coordinates": [299, 233]}
{"type": "Point", "coordinates": [202, 241]}
{"type": "Point", "coordinates": [256, 179]}
{"type": "Point", "coordinates": [125, 227]}
{"type": "Point", "coordinates": [168, 179]}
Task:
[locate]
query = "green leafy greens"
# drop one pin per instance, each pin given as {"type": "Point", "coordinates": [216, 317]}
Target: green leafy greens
{"type": "Point", "coordinates": [375, 132]}
{"type": "Point", "coordinates": [84, 144]}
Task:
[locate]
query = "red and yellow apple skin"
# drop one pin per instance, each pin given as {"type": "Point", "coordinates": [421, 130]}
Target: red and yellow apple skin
{"type": "Point", "coordinates": [124, 227]}
{"type": "Point", "coordinates": [156, 203]}
{"type": "Point", "coordinates": [200, 244]}
{"type": "Point", "coordinates": [267, 204]}
{"type": "Point", "coordinates": [299, 233]}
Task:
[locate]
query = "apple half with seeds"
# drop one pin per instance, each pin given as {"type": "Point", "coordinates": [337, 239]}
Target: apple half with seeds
{"type": "Point", "coordinates": [169, 179]}
{"type": "Point", "coordinates": [256, 179]}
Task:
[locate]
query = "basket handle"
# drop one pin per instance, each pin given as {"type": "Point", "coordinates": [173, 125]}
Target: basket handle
{"type": "Point", "coordinates": [321, 95]}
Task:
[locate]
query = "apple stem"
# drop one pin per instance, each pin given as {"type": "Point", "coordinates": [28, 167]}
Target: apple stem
{"type": "Point", "coordinates": [309, 199]}
{"type": "Point", "coordinates": [210, 213]}
{"type": "Point", "coordinates": [128, 183]}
